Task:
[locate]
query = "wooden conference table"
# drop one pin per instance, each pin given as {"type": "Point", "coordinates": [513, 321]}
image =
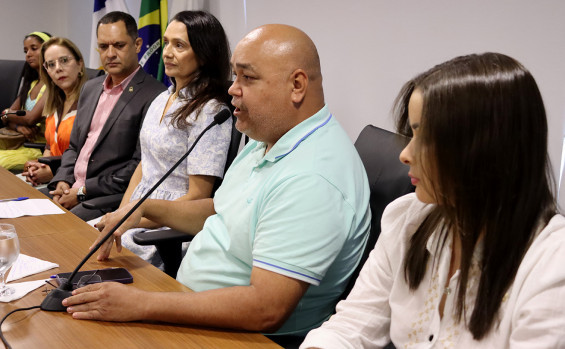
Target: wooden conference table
{"type": "Point", "coordinates": [64, 239]}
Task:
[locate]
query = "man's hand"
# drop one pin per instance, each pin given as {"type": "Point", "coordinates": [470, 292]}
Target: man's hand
{"type": "Point", "coordinates": [109, 221]}
{"type": "Point", "coordinates": [64, 195]}
{"type": "Point", "coordinates": [262, 306]}
{"type": "Point", "coordinates": [69, 199]}
{"type": "Point", "coordinates": [59, 190]}
{"type": "Point", "coordinates": [108, 301]}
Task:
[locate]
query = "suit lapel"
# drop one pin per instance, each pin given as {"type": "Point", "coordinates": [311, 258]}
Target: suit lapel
{"type": "Point", "coordinates": [127, 95]}
{"type": "Point", "coordinates": [88, 113]}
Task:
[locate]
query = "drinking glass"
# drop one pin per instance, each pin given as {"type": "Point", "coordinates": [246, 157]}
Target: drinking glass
{"type": "Point", "coordinates": [9, 251]}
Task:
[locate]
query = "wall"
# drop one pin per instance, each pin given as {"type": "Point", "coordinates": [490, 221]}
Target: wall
{"type": "Point", "coordinates": [368, 48]}
{"type": "Point", "coordinates": [68, 18]}
{"type": "Point", "coordinates": [19, 18]}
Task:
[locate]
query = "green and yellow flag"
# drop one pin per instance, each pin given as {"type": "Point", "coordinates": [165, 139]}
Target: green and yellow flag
{"type": "Point", "coordinates": [152, 24]}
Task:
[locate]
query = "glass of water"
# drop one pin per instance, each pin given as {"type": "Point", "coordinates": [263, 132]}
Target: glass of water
{"type": "Point", "coordinates": [9, 251]}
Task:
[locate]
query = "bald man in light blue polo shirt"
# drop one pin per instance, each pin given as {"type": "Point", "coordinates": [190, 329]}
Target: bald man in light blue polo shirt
{"type": "Point", "coordinates": [300, 210]}
{"type": "Point", "coordinates": [276, 246]}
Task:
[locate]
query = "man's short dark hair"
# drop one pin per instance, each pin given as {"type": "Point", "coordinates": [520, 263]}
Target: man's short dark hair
{"type": "Point", "coordinates": [117, 16]}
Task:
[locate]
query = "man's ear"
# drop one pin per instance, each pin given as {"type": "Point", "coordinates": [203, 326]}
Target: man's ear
{"type": "Point", "coordinates": [299, 85]}
{"type": "Point", "coordinates": [138, 43]}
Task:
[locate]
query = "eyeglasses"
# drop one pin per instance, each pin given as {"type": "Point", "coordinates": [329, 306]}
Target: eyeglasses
{"type": "Point", "coordinates": [63, 62]}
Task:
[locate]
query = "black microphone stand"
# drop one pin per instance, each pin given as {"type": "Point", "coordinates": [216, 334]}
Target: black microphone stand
{"type": "Point", "coordinates": [53, 301]}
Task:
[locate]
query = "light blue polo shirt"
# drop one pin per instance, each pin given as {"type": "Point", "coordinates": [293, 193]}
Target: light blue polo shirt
{"type": "Point", "coordinates": [301, 210]}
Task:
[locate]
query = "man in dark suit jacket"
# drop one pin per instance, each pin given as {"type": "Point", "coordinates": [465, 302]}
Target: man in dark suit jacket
{"type": "Point", "coordinates": [104, 141]}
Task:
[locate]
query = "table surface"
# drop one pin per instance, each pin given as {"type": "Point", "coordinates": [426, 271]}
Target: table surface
{"type": "Point", "coordinates": [64, 239]}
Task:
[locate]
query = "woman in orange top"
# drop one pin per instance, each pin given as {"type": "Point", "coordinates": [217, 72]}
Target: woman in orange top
{"type": "Point", "coordinates": [58, 131]}
{"type": "Point", "coordinates": [64, 74]}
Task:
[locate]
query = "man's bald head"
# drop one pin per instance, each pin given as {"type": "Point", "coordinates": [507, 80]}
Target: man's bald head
{"type": "Point", "coordinates": [289, 46]}
{"type": "Point", "coordinates": [278, 83]}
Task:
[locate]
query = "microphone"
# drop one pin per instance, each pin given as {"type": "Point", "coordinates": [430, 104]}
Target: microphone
{"type": "Point", "coordinates": [17, 113]}
{"type": "Point", "coordinates": [53, 301]}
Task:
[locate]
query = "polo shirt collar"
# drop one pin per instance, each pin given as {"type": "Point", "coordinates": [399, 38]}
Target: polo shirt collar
{"type": "Point", "coordinates": [292, 139]}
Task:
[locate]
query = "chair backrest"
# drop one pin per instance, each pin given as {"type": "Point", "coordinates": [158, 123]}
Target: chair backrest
{"type": "Point", "coordinates": [92, 73]}
{"type": "Point", "coordinates": [11, 73]}
{"type": "Point", "coordinates": [388, 179]}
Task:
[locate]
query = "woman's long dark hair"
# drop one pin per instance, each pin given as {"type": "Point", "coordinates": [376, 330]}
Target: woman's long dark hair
{"type": "Point", "coordinates": [484, 131]}
{"type": "Point", "coordinates": [29, 74]}
{"type": "Point", "coordinates": [211, 47]}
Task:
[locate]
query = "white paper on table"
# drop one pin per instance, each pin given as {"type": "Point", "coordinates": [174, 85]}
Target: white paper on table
{"type": "Point", "coordinates": [26, 266]}
{"type": "Point", "coordinates": [22, 288]}
{"type": "Point", "coordinates": [29, 207]}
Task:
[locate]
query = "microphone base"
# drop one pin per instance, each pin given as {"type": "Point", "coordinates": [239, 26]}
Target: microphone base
{"type": "Point", "coordinates": [54, 300]}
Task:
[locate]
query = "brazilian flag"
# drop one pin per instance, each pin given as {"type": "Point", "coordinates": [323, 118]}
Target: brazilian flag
{"type": "Point", "coordinates": [152, 24]}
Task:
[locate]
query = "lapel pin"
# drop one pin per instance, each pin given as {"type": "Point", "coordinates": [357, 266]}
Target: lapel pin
{"type": "Point", "coordinates": [130, 89]}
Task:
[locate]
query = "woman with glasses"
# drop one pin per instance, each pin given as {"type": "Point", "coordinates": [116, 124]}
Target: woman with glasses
{"type": "Point", "coordinates": [474, 258]}
{"type": "Point", "coordinates": [64, 74]}
{"type": "Point", "coordinates": [196, 56]}
{"type": "Point", "coordinates": [31, 100]}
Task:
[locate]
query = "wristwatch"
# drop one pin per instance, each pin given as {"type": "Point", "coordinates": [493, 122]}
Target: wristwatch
{"type": "Point", "coordinates": [81, 196]}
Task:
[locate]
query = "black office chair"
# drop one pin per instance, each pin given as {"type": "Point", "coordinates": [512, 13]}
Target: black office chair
{"type": "Point", "coordinates": [388, 180]}
{"type": "Point", "coordinates": [11, 73]}
{"type": "Point", "coordinates": [169, 241]}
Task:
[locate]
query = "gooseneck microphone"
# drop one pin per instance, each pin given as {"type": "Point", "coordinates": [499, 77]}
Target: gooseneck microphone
{"type": "Point", "coordinates": [53, 301]}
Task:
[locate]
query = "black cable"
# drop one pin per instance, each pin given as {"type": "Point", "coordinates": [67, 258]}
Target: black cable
{"type": "Point", "coordinates": [6, 345]}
